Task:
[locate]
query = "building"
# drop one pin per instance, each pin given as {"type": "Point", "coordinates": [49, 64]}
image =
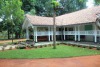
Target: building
{"type": "Point", "coordinates": [77, 26]}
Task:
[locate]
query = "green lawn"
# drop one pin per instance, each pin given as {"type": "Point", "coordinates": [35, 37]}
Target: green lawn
{"type": "Point", "coordinates": [47, 52]}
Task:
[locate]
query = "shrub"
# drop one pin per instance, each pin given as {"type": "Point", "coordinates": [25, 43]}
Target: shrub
{"type": "Point", "coordinates": [35, 46]}
{"type": "Point", "coordinates": [90, 47]}
{"type": "Point", "coordinates": [58, 44]}
{"type": "Point", "coordinates": [73, 44]}
{"type": "Point", "coordinates": [21, 47]}
{"type": "Point", "coordinates": [84, 46]}
{"type": "Point", "coordinates": [79, 45]}
{"type": "Point", "coordinates": [45, 45]}
{"type": "Point", "coordinates": [40, 46]}
{"type": "Point", "coordinates": [98, 48]}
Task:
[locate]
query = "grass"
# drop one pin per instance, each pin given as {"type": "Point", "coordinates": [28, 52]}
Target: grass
{"type": "Point", "coordinates": [62, 51]}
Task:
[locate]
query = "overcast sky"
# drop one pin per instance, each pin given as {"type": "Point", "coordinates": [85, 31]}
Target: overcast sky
{"type": "Point", "coordinates": [90, 3]}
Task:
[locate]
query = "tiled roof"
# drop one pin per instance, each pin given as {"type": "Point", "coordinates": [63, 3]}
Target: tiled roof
{"type": "Point", "coordinates": [83, 16]}
{"type": "Point", "coordinates": [38, 20]}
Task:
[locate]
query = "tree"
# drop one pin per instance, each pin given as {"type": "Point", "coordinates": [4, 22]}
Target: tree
{"type": "Point", "coordinates": [44, 7]}
{"type": "Point", "coordinates": [28, 5]}
{"type": "Point", "coordinates": [13, 14]}
{"type": "Point", "coordinates": [72, 5]}
{"type": "Point", "coordinates": [97, 2]}
{"type": "Point", "coordinates": [55, 6]}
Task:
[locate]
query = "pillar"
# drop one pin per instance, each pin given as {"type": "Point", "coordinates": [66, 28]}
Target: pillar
{"type": "Point", "coordinates": [27, 34]}
{"type": "Point", "coordinates": [75, 34]}
{"type": "Point", "coordinates": [95, 33]}
{"type": "Point", "coordinates": [64, 33]}
{"type": "Point", "coordinates": [36, 34]}
{"type": "Point", "coordinates": [52, 33]}
{"type": "Point", "coordinates": [49, 33]}
{"type": "Point", "coordinates": [78, 32]}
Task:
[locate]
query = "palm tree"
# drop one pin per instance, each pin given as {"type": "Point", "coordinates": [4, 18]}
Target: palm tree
{"type": "Point", "coordinates": [56, 6]}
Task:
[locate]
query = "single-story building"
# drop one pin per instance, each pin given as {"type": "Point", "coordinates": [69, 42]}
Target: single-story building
{"type": "Point", "coordinates": [77, 26]}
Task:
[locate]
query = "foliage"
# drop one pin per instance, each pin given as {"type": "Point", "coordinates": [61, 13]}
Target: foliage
{"type": "Point", "coordinates": [55, 3]}
{"type": "Point", "coordinates": [28, 5]}
{"type": "Point", "coordinates": [12, 15]}
{"type": "Point", "coordinates": [98, 48]}
{"type": "Point", "coordinates": [32, 12]}
{"type": "Point", "coordinates": [44, 7]}
{"type": "Point", "coordinates": [97, 2]}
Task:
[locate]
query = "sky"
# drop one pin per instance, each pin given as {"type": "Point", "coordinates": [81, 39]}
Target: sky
{"type": "Point", "coordinates": [90, 3]}
{"type": "Point", "coordinates": [1, 20]}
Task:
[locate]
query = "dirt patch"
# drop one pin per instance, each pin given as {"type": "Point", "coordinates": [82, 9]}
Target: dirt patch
{"type": "Point", "coordinates": [87, 61]}
{"type": "Point", "coordinates": [8, 41]}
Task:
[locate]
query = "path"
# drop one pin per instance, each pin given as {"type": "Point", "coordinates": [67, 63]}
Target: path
{"type": "Point", "coordinates": [87, 61]}
{"type": "Point", "coordinates": [7, 41]}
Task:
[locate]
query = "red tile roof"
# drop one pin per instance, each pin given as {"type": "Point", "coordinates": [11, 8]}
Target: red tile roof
{"type": "Point", "coordinates": [83, 16]}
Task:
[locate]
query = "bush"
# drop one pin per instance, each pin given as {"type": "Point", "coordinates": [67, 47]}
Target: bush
{"type": "Point", "coordinates": [35, 47]}
{"type": "Point", "coordinates": [79, 45]}
{"type": "Point", "coordinates": [84, 46]}
{"type": "Point", "coordinates": [21, 47]}
{"type": "Point", "coordinates": [73, 44]}
{"type": "Point", "coordinates": [58, 44]}
{"type": "Point", "coordinates": [40, 46]}
{"type": "Point", "coordinates": [90, 47]}
{"type": "Point", "coordinates": [98, 48]}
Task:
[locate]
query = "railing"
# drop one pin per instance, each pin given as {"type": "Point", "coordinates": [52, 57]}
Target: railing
{"type": "Point", "coordinates": [46, 33]}
{"type": "Point", "coordinates": [42, 33]}
{"type": "Point", "coordinates": [86, 32]}
{"type": "Point", "coordinates": [98, 32]}
{"type": "Point", "coordinates": [70, 32]}
{"type": "Point", "coordinates": [92, 32]}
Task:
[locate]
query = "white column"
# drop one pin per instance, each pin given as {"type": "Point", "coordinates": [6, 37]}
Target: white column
{"type": "Point", "coordinates": [64, 33]}
{"type": "Point", "coordinates": [49, 33]}
{"type": "Point", "coordinates": [75, 34]}
{"type": "Point", "coordinates": [95, 33]}
{"type": "Point", "coordinates": [27, 34]}
{"type": "Point", "coordinates": [52, 33]}
{"type": "Point", "coordinates": [78, 32]}
{"type": "Point", "coordinates": [36, 34]}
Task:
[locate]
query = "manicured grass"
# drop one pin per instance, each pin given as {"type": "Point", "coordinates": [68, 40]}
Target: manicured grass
{"type": "Point", "coordinates": [62, 51]}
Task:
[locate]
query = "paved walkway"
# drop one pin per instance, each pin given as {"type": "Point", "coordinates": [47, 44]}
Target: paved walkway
{"type": "Point", "coordinates": [87, 61]}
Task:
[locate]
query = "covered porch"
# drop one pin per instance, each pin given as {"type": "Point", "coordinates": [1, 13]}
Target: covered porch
{"type": "Point", "coordinates": [83, 32]}
{"type": "Point", "coordinates": [77, 26]}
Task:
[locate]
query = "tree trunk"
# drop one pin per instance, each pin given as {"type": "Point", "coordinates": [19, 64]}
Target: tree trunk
{"type": "Point", "coordinates": [16, 35]}
{"type": "Point", "coordinates": [8, 34]}
{"type": "Point", "coordinates": [12, 33]}
{"type": "Point", "coordinates": [54, 31]}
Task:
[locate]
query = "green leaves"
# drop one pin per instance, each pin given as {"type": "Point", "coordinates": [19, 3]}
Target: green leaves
{"type": "Point", "coordinates": [55, 3]}
{"type": "Point", "coordinates": [13, 14]}
{"type": "Point", "coordinates": [97, 2]}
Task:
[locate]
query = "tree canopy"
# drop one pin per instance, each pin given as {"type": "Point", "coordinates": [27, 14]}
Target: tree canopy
{"type": "Point", "coordinates": [44, 7]}
{"type": "Point", "coordinates": [12, 14]}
